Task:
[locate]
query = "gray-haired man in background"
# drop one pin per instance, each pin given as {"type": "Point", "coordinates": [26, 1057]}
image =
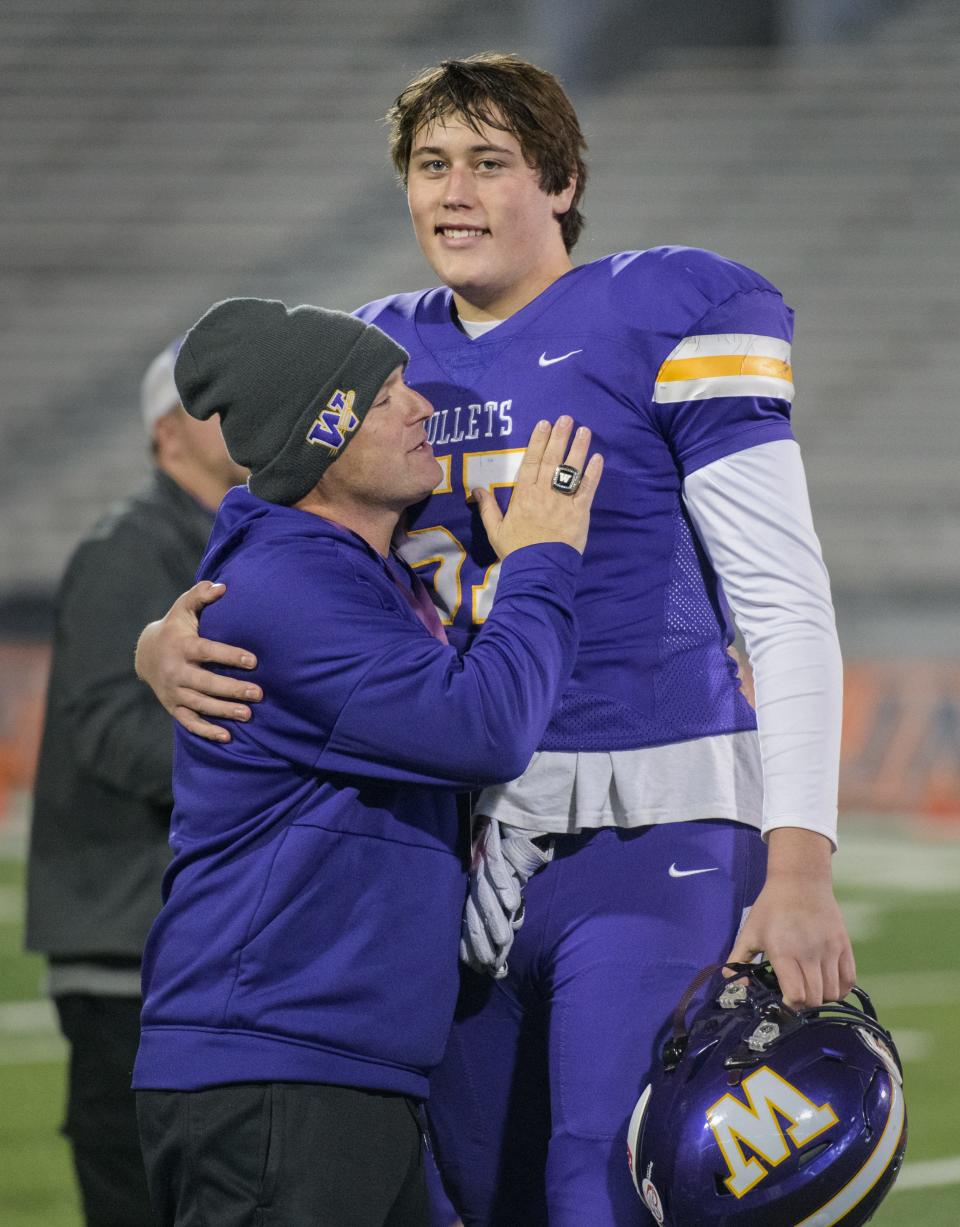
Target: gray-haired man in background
{"type": "Point", "coordinates": [103, 794]}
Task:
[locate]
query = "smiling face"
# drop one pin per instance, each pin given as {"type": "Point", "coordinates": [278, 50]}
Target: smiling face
{"type": "Point", "coordinates": [483, 221]}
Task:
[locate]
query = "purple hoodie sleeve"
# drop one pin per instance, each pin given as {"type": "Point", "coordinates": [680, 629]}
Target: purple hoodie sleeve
{"type": "Point", "coordinates": [354, 685]}
{"type": "Point", "coordinates": [436, 716]}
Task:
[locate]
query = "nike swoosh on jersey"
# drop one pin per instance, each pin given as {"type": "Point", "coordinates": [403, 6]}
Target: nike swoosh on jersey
{"type": "Point", "coordinates": [687, 873]}
{"type": "Point", "coordinates": [545, 361]}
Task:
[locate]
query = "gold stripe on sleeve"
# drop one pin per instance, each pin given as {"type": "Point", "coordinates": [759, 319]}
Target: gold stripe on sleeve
{"type": "Point", "coordinates": [724, 364]}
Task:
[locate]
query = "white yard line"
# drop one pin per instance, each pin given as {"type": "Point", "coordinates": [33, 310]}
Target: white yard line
{"type": "Point", "coordinates": [28, 1018]}
{"type": "Point", "coordinates": [33, 1050]}
{"type": "Point", "coordinates": [913, 1045]}
{"type": "Point", "coordinates": [880, 860]}
{"type": "Point", "coordinates": [864, 919]}
{"type": "Point", "coordinates": [893, 989]}
{"type": "Point", "coordinates": [29, 1034]}
{"type": "Point", "coordinates": [930, 1174]}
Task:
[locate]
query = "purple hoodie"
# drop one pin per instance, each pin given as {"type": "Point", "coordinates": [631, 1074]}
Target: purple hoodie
{"type": "Point", "coordinates": [311, 913]}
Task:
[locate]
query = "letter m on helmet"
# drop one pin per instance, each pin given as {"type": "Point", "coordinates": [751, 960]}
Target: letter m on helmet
{"type": "Point", "coordinates": [756, 1124]}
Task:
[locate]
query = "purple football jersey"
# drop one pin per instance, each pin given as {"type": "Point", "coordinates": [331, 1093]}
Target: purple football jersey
{"type": "Point", "coordinates": [674, 357]}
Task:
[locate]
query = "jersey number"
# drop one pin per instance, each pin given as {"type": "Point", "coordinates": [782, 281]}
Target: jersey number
{"type": "Point", "coordinates": [423, 547]}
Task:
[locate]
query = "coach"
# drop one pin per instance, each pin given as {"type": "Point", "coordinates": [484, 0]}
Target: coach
{"type": "Point", "coordinates": [300, 980]}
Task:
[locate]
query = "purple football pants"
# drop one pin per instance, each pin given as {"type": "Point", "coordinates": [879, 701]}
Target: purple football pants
{"type": "Point", "coordinates": [530, 1106]}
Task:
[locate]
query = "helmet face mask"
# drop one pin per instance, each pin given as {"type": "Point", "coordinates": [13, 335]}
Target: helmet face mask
{"type": "Point", "coordinates": [764, 1116]}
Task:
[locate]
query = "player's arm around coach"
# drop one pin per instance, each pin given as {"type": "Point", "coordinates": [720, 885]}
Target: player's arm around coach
{"type": "Point", "coordinates": [300, 980]}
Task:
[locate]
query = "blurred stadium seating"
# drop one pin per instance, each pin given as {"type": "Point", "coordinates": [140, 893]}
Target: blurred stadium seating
{"type": "Point", "coordinates": [161, 155]}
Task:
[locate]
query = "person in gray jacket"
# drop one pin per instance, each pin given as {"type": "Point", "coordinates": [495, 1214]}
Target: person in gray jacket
{"type": "Point", "coordinates": [103, 795]}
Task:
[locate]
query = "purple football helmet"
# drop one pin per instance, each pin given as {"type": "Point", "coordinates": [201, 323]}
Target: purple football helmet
{"type": "Point", "coordinates": [764, 1116]}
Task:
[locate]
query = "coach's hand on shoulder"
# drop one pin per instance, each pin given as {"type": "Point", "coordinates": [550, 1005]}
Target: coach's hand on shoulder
{"type": "Point", "coordinates": [170, 659]}
{"type": "Point", "coordinates": [797, 923]}
{"type": "Point", "coordinates": [538, 512]}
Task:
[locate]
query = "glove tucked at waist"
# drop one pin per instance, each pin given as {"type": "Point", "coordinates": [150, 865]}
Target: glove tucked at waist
{"type": "Point", "coordinates": [504, 858]}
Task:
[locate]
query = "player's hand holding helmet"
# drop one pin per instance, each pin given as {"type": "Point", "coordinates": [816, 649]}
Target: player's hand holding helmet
{"type": "Point", "coordinates": [759, 1115]}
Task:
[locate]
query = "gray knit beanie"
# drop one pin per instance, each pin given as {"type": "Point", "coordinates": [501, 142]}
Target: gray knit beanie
{"type": "Point", "coordinates": [291, 387]}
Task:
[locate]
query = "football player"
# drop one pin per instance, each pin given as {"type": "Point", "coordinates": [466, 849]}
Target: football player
{"type": "Point", "coordinates": [675, 826]}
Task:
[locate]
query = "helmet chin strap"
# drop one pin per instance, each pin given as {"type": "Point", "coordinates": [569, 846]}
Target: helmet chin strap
{"type": "Point", "coordinates": [675, 1046]}
{"type": "Point", "coordinates": [785, 1018]}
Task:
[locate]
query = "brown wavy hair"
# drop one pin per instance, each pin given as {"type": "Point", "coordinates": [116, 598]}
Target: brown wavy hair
{"type": "Point", "coordinates": [505, 92]}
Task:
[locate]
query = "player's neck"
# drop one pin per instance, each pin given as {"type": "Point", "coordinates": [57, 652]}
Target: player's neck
{"type": "Point", "coordinates": [475, 329]}
{"type": "Point", "coordinates": [483, 304]}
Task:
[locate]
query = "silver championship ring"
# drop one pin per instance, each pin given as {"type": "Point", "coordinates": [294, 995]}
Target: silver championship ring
{"type": "Point", "coordinates": [566, 478]}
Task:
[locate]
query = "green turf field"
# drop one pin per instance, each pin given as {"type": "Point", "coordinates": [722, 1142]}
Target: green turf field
{"type": "Point", "coordinates": [901, 893]}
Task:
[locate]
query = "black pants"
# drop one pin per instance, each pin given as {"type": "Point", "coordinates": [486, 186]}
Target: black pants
{"type": "Point", "coordinates": [101, 1124]}
{"type": "Point", "coordinates": [283, 1154]}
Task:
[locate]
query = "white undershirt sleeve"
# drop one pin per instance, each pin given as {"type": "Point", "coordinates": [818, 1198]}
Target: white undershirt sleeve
{"type": "Point", "coordinates": [752, 513]}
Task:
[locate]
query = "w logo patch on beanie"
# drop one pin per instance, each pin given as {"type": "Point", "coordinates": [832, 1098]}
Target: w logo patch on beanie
{"type": "Point", "coordinates": [335, 422]}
